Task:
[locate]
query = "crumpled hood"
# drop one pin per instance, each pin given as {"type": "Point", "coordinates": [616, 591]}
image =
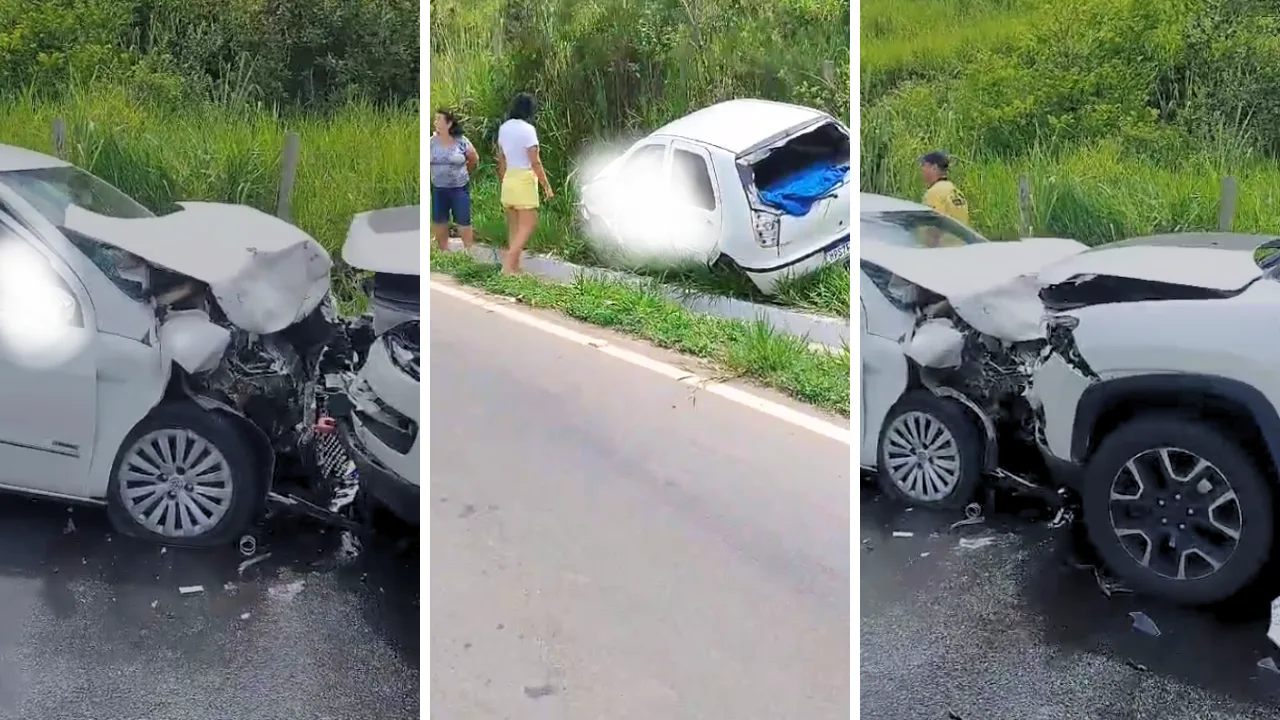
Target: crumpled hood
{"type": "Point", "coordinates": [1211, 268]}
{"type": "Point", "coordinates": [265, 273]}
{"type": "Point", "coordinates": [992, 286]}
{"type": "Point", "coordinates": [386, 241]}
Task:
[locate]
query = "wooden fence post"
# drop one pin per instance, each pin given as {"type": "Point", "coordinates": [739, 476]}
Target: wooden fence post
{"type": "Point", "coordinates": [288, 172]}
{"type": "Point", "coordinates": [1227, 203]}
{"type": "Point", "coordinates": [59, 138]}
{"type": "Point", "coordinates": [1026, 208]}
{"type": "Point", "coordinates": [829, 71]}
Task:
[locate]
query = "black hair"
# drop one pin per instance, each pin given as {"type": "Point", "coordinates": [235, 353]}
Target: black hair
{"type": "Point", "coordinates": [455, 127]}
{"type": "Point", "coordinates": [937, 159]}
{"type": "Point", "coordinates": [523, 107]}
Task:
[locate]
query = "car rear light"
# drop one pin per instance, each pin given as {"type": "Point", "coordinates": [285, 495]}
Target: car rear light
{"type": "Point", "coordinates": [767, 226]}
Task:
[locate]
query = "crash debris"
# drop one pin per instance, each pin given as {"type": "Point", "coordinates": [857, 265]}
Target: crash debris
{"type": "Point", "coordinates": [190, 589]}
{"type": "Point", "coordinates": [1144, 624]}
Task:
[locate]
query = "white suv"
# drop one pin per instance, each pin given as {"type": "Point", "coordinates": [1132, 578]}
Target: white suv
{"type": "Point", "coordinates": [1158, 399]}
{"type": "Point", "coordinates": [378, 407]}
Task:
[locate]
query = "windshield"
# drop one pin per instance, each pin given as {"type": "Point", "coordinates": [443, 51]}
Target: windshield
{"type": "Point", "coordinates": [918, 229]}
{"type": "Point", "coordinates": [52, 190]}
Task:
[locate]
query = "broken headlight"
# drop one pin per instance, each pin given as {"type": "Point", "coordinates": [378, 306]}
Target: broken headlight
{"type": "Point", "coordinates": [404, 347]}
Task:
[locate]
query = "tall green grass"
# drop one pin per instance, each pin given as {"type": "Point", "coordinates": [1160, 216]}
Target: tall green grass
{"type": "Point", "coordinates": [1124, 115]}
{"type": "Point", "coordinates": [358, 157]}
{"type": "Point", "coordinates": [608, 70]}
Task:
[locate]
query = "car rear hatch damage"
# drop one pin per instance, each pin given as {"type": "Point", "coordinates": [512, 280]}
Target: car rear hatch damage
{"type": "Point", "coordinates": [798, 187]}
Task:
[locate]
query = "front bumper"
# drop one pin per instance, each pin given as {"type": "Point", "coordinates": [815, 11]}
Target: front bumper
{"type": "Point", "coordinates": [397, 494]}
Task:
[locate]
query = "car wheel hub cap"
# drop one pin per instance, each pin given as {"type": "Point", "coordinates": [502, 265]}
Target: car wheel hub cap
{"type": "Point", "coordinates": [175, 483]}
{"type": "Point", "coordinates": [921, 456]}
{"type": "Point", "coordinates": [1175, 513]}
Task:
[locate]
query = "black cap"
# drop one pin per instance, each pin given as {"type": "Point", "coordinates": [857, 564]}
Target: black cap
{"type": "Point", "coordinates": [937, 159]}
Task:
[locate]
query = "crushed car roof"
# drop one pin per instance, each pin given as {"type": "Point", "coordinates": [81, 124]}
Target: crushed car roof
{"type": "Point", "coordinates": [386, 241]}
{"type": "Point", "coordinates": [738, 125]}
{"type": "Point", "coordinates": [16, 159]}
{"type": "Point", "coordinates": [1216, 261]}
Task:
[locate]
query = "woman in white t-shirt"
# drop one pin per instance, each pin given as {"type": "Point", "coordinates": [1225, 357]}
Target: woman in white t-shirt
{"type": "Point", "coordinates": [521, 172]}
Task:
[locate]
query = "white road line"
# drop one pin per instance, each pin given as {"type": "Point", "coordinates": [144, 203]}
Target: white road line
{"type": "Point", "coordinates": [728, 392]}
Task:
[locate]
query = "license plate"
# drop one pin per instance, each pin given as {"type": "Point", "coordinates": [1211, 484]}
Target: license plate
{"type": "Point", "coordinates": [837, 253]}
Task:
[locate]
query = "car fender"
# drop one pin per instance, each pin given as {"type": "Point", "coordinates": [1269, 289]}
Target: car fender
{"type": "Point", "coordinates": [1101, 396]}
{"type": "Point", "coordinates": [261, 443]}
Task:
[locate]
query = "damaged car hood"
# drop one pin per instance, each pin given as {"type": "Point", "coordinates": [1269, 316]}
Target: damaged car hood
{"type": "Point", "coordinates": [992, 286]}
{"type": "Point", "coordinates": [1210, 268]}
{"type": "Point", "coordinates": [386, 241]}
{"type": "Point", "coordinates": [265, 273]}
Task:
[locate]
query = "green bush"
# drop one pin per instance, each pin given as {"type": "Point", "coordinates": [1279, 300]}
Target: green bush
{"type": "Point", "coordinates": [308, 52]}
{"type": "Point", "coordinates": [1124, 114]}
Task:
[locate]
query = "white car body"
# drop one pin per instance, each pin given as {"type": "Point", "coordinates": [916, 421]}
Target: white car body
{"type": "Point", "coordinates": [928, 313]}
{"type": "Point", "coordinates": [1166, 346]}
{"type": "Point", "coordinates": [381, 428]}
{"type": "Point", "coordinates": [195, 294]}
{"type": "Point", "coordinates": [688, 192]}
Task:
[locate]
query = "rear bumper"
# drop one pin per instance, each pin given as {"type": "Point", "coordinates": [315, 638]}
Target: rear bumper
{"type": "Point", "coordinates": [392, 491]}
{"type": "Point", "coordinates": [766, 277]}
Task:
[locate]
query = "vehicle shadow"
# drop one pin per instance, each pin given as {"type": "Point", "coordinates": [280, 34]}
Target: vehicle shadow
{"type": "Point", "coordinates": [66, 548]}
{"type": "Point", "coordinates": [1217, 650]}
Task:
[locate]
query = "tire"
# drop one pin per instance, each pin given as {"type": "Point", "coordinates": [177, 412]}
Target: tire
{"type": "Point", "coordinates": [210, 440]}
{"type": "Point", "coordinates": [1162, 449]}
{"type": "Point", "coordinates": [951, 484]}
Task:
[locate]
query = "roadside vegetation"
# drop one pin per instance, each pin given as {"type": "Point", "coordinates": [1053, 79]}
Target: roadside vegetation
{"type": "Point", "coordinates": [1124, 114]}
{"type": "Point", "coordinates": [191, 99]}
{"type": "Point", "coordinates": [613, 70]}
{"type": "Point", "coordinates": [752, 351]}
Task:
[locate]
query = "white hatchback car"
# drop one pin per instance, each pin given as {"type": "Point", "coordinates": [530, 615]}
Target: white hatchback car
{"type": "Point", "coordinates": [158, 365]}
{"type": "Point", "coordinates": [948, 336]}
{"type": "Point", "coordinates": [759, 186]}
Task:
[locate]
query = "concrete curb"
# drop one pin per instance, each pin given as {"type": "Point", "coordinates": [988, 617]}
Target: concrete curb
{"type": "Point", "coordinates": [823, 333]}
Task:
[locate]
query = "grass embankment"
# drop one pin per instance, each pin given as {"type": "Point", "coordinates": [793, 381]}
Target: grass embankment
{"type": "Point", "coordinates": [353, 158]}
{"type": "Point", "coordinates": [1125, 115]}
{"type": "Point", "coordinates": [749, 350]}
{"type": "Point", "coordinates": [618, 69]}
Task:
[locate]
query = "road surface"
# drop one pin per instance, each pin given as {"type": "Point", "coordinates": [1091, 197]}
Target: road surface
{"type": "Point", "coordinates": [605, 544]}
{"type": "Point", "coordinates": [95, 628]}
{"type": "Point", "coordinates": [1015, 630]}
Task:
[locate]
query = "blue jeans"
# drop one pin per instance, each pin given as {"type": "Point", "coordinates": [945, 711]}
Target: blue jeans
{"type": "Point", "coordinates": [451, 201]}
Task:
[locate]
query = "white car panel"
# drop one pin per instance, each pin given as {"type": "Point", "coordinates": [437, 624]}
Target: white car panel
{"type": "Point", "coordinates": [1203, 267]}
{"type": "Point", "coordinates": [386, 241]}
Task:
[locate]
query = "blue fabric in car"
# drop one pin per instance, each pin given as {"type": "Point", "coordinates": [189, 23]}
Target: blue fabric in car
{"type": "Point", "coordinates": [795, 194]}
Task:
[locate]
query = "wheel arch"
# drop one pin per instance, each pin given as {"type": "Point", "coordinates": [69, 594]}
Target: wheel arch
{"type": "Point", "coordinates": [1235, 405]}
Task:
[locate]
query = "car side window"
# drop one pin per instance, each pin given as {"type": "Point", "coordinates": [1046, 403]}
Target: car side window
{"type": "Point", "coordinates": [645, 164]}
{"type": "Point", "coordinates": [29, 284]}
{"type": "Point", "coordinates": [693, 179]}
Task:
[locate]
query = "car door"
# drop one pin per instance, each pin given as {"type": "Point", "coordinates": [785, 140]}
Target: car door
{"type": "Point", "coordinates": [627, 201]}
{"type": "Point", "coordinates": [884, 365]}
{"type": "Point", "coordinates": [48, 373]}
{"type": "Point", "coordinates": [694, 202]}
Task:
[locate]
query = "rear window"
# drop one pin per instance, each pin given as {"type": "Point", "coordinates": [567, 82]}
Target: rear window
{"type": "Point", "coordinates": [921, 229]}
{"type": "Point", "coordinates": [827, 144]}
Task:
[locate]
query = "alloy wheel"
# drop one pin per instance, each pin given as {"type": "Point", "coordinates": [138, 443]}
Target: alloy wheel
{"type": "Point", "coordinates": [1175, 513]}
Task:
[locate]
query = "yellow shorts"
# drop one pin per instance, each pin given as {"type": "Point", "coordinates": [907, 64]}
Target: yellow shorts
{"type": "Point", "coordinates": [520, 189]}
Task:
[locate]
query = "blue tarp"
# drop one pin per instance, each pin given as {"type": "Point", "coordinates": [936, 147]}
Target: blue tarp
{"type": "Point", "coordinates": [796, 193]}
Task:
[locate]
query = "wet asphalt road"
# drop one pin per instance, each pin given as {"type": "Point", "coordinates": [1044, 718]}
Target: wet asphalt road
{"type": "Point", "coordinates": [606, 545]}
{"type": "Point", "coordinates": [1016, 630]}
{"type": "Point", "coordinates": [94, 627]}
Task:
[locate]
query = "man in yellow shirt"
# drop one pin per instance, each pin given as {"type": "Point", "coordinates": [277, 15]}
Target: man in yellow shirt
{"type": "Point", "coordinates": [941, 194]}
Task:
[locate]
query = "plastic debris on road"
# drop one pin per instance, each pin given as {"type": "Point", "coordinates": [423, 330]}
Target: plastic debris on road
{"type": "Point", "coordinates": [190, 589]}
{"type": "Point", "coordinates": [1144, 624]}
{"type": "Point", "coordinates": [288, 591]}
{"type": "Point", "coordinates": [976, 543]}
{"type": "Point", "coordinates": [903, 534]}
{"type": "Point", "coordinates": [70, 528]}
{"type": "Point", "coordinates": [1107, 585]}
{"type": "Point", "coordinates": [248, 545]}
{"type": "Point", "coordinates": [251, 562]}
{"type": "Point", "coordinates": [1269, 664]}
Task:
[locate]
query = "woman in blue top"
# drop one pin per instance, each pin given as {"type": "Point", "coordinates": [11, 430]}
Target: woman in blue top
{"type": "Point", "coordinates": [453, 159]}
